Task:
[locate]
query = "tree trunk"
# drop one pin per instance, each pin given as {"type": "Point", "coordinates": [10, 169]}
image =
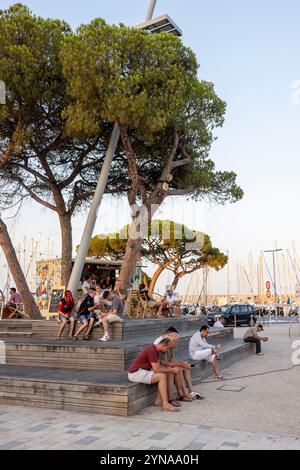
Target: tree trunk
{"type": "Point", "coordinates": [177, 277]}
{"type": "Point", "coordinates": [155, 277]}
{"type": "Point", "coordinates": [66, 248]}
{"type": "Point", "coordinates": [30, 307]}
{"type": "Point", "coordinates": [132, 252]}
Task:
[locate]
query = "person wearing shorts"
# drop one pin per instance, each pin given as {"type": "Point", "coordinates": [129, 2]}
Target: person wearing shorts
{"type": "Point", "coordinates": [86, 314]}
{"type": "Point", "coordinates": [116, 314]}
{"type": "Point", "coordinates": [200, 350]}
{"type": "Point", "coordinates": [65, 309]}
{"type": "Point", "coordinates": [146, 369]}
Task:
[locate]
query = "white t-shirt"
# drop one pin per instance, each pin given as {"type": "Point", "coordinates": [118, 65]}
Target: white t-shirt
{"type": "Point", "coordinates": [171, 297]}
{"type": "Point", "coordinates": [97, 298]}
{"type": "Point", "coordinates": [218, 324]}
{"type": "Point", "coordinates": [85, 286]}
{"type": "Point", "coordinates": [158, 340]}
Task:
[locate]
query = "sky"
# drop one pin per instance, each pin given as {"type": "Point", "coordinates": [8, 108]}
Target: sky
{"type": "Point", "coordinates": [250, 51]}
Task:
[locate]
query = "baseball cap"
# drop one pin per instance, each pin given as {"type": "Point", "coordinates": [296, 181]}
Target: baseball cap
{"type": "Point", "coordinates": [261, 327]}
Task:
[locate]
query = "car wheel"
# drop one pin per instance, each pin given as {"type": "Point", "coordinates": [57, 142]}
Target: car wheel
{"type": "Point", "coordinates": [252, 321]}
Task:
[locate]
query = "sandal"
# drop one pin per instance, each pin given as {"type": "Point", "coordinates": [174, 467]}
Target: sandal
{"type": "Point", "coordinates": [219, 377]}
{"type": "Point", "coordinates": [74, 338]}
{"type": "Point", "coordinates": [170, 408]}
{"type": "Point", "coordinates": [175, 403]}
{"type": "Point", "coordinates": [185, 398]}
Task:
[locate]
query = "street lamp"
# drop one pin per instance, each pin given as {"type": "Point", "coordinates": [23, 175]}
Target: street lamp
{"type": "Point", "coordinates": [157, 25]}
{"type": "Point", "coordinates": [161, 24]}
{"type": "Point", "coordinates": [274, 270]}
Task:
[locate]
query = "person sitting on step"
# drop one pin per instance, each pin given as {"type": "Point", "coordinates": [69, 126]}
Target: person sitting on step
{"type": "Point", "coordinates": [184, 374]}
{"type": "Point", "coordinates": [200, 350]}
{"type": "Point", "coordinates": [146, 369]}
{"type": "Point", "coordinates": [86, 314]}
{"type": "Point", "coordinates": [116, 314]}
{"type": "Point", "coordinates": [251, 336]}
{"type": "Point", "coordinates": [146, 296]}
{"type": "Point", "coordinates": [65, 309]}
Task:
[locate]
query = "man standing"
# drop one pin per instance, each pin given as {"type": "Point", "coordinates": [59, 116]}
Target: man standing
{"type": "Point", "coordinates": [200, 350]}
{"type": "Point", "coordinates": [251, 336]}
{"type": "Point", "coordinates": [219, 323]}
{"type": "Point", "coordinates": [86, 284]}
{"type": "Point", "coordinates": [146, 369]}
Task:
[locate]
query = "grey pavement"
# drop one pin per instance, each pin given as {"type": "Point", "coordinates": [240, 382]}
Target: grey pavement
{"type": "Point", "coordinates": [259, 412]}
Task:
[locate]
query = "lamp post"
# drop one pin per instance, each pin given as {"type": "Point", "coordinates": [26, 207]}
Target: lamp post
{"type": "Point", "coordinates": [274, 283]}
{"type": "Point", "coordinates": [160, 24]}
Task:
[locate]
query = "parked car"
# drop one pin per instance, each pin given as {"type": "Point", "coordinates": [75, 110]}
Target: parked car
{"type": "Point", "coordinates": [238, 314]}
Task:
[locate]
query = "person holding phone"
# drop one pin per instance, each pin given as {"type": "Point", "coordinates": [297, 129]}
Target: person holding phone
{"type": "Point", "coordinates": [200, 350]}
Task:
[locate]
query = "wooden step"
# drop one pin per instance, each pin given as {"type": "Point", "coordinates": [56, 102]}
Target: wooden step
{"type": "Point", "coordinates": [16, 334]}
{"type": "Point", "coordinates": [91, 391]}
{"type": "Point", "coordinates": [129, 330]}
{"type": "Point", "coordinates": [90, 355]}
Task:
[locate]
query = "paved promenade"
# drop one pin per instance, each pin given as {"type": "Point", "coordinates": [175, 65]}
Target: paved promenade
{"type": "Point", "coordinates": [260, 412]}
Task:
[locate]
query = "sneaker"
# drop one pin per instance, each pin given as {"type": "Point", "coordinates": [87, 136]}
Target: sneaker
{"type": "Point", "coordinates": [86, 338]}
{"type": "Point", "coordinates": [104, 338]}
{"type": "Point", "coordinates": [199, 396]}
{"type": "Point", "coordinates": [260, 354]}
{"type": "Point", "coordinates": [97, 324]}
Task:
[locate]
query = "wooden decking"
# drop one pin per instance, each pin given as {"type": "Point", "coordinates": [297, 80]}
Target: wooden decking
{"type": "Point", "coordinates": [90, 375]}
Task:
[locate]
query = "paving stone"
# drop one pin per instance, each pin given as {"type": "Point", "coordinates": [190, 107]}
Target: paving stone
{"type": "Point", "coordinates": [72, 426]}
{"type": "Point", "coordinates": [10, 445]}
{"type": "Point", "coordinates": [73, 431]}
{"type": "Point", "coordinates": [195, 445]}
{"type": "Point", "coordinates": [230, 444]}
{"type": "Point", "coordinates": [87, 440]}
{"type": "Point", "coordinates": [40, 427]}
{"type": "Point", "coordinates": [158, 436]}
{"type": "Point", "coordinates": [95, 428]}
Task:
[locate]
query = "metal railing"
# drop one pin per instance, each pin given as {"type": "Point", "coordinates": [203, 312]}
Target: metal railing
{"type": "Point", "coordinates": [294, 329]}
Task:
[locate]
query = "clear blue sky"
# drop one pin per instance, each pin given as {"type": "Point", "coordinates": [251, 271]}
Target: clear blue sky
{"type": "Point", "coordinates": [250, 50]}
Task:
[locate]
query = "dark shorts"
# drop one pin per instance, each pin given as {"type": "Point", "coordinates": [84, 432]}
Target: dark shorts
{"type": "Point", "coordinates": [93, 315]}
{"type": "Point", "coordinates": [82, 319]}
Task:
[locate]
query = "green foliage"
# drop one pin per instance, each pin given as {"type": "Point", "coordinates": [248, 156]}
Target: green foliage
{"type": "Point", "coordinates": [123, 74]}
{"type": "Point", "coordinates": [111, 246]}
{"type": "Point", "coordinates": [169, 245]}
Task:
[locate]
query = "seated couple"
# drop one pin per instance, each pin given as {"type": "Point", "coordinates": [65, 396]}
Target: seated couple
{"type": "Point", "coordinates": [157, 364]}
{"type": "Point", "coordinates": [87, 313]}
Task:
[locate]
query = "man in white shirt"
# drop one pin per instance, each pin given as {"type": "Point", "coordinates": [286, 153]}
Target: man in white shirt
{"type": "Point", "coordinates": [171, 301]}
{"type": "Point", "coordinates": [219, 323]}
{"type": "Point", "coordinates": [86, 284]}
{"type": "Point", "coordinates": [200, 350]}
